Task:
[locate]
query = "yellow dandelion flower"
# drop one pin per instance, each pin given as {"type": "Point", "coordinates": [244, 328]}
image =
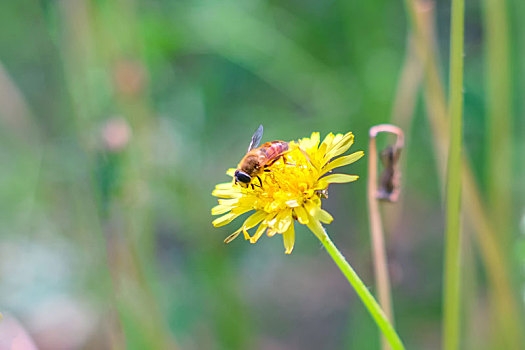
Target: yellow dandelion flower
{"type": "Point", "coordinates": [290, 190]}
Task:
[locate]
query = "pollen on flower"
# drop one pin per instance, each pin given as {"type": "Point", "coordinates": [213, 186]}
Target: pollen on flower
{"type": "Point", "coordinates": [290, 190]}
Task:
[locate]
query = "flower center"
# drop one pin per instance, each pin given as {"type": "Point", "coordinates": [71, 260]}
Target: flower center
{"type": "Point", "coordinates": [288, 183]}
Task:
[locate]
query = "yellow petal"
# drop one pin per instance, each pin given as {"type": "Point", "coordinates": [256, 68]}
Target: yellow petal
{"type": "Point", "coordinates": [241, 210]}
{"type": "Point", "coordinates": [220, 209]}
{"type": "Point", "coordinates": [325, 146]}
{"type": "Point", "coordinates": [285, 221]}
{"type": "Point", "coordinates": [342, 161]}
{"type": "Point", "coordinates": [289, 239]}
{"type": "Point", "coordinates": [227, 193]}
{"type": "Point", "coordinates": [273, 221]}
{"type": "Point", "coordinates": [310, 143]}
{"type": "Point", "coordinates": [260, 231]}
{"type": "Point", "coordinates": [340, 178]}
{"type": "Point", "coordinates": [231, 172]}
{"type": "Point", "coordinates": [225, 219]}
{"type": "Point", "coordinates": [323, 216]}
{"type": "Point", "coordinates": [302, 216]}
{"type": "Point", "coordinates": [334, 142]}
{"type": "Point", "coordinates": [271, 233]}
{"type": "Point", "coordinates": [319, 156]}
{"type": "Point", "coordinates": [328, 140]}
{"type": "Point", "coordinates": [316, 227]}
{"type": "Point", "coordinates": [252, 221]}
{"type": "Point", "coordinates": [310, 157]}
{"type": "Point", "coordinates": [269, 218]}
{"type": "Point", "coordinates": [229, 202]}
{"type": "Point", "coordinates": [232, 236]}
{"type": "Point", "coordinates": [314, 210]}
{"type": "Point", "coordinates": [341, 147]}
{"type": "Point", "coordinates": [292, 203]}
{"type": "Point", "coordinates": [224, 186]}
{"type": "Point", "coordinates": [335, 178]}
{"type": "Point", "coordinates": [315, 138]}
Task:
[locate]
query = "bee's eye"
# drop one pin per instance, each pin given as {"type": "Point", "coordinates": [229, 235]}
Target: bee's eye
{"type": "Point", "coordinates": [241, 176]}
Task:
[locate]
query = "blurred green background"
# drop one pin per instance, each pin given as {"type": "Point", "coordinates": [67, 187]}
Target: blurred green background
{"type": "Point", "coordinates": [117, 119]}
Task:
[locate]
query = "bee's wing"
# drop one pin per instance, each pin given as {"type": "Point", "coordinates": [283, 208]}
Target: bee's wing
{"type": "Point", "coordinates": [256, 138]}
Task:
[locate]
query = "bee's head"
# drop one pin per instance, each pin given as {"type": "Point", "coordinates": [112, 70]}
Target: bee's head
{"type": "Point", "coordinates": [242, 178]}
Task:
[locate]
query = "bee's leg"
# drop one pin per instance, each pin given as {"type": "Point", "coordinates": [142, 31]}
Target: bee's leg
{"type": "Point", "coordinates": [267, 170]}
{"type": "Point", "coordinates": [255, 185]}
{"type": "Point", "coordinates": [287, 162]}
{"type": "Point", "coordinates": [273, 161]}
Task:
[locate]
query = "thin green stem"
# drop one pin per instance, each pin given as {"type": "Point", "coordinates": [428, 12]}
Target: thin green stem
{"type": "Point", "coordinates": [499, 150]}
{"type": "Point", "coordinates": [366, 297]}
{"type": "Point", "coordinates": [452, 273]}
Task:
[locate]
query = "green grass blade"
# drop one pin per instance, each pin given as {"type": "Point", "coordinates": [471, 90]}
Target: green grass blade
{"type": "Point", "coordinates": [452, 273]}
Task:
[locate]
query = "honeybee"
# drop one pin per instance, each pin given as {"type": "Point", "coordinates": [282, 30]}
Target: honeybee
{"type": "Point", "coordinates": [258, 159]}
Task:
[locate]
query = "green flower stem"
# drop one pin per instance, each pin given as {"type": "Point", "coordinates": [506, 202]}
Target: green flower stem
{"type": "Point", "coordinates": [452, 273]}
{"type": "Point", "coordinates": [366, 297]}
